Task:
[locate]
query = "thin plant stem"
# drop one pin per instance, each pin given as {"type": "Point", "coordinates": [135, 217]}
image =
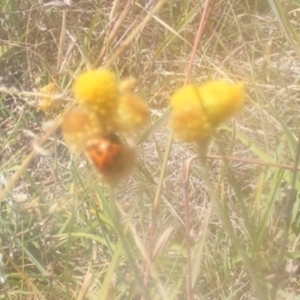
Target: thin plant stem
{"type": "Point", "coordinates": [226, 224]}
{"type": "Point", "coordinates": [237, 190]}
{"type": "Point", "coordinates": [134, 33]}
{"type": "Point", "coordinates": [62, 38]}
{"type": "Point", "coordinates": [287, 219]}
{"type": "Point", "coordinates": [27, 161]}
{"type": "Point", "coordinates": [187, 171]}
{"type": "Point", "coordinates": [142, 249]}
{"type": "Point", "coordinates": [88, 280]}
{"type": "Point", "coordinates": [21, 273]}
{"type": "Point", "coordinates": [254, 162]}
{"type": "Point", "coordinates": [119, 228]}
{"type": "Point", "coordinates": [205, 15]}
{"type": "Point", "coordinates": [200, 31]}
{"type": "Point", "coordinates": [155, 212]}
{"type": "Point", "coordinates": [113, 32]}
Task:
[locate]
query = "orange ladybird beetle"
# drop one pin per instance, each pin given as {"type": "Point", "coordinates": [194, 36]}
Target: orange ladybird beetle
{"type": "Point", "coordinates": [111, 157]}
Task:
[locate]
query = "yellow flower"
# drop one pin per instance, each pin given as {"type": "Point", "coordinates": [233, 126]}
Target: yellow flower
{"type": "Point", "coordinates": [79, 127]}
{"type": "Point", "coordinates": [187, 115]}
{"type": "Point", "coordinates": [98, 91]}
{"type": "Point", "coordinates": [48, 104]}
{"type": "Point", "coordinates": [133, 113]}
{"type": "Point", "coordinates": [197, 110]}
{"type": "Point", "coordinates": [221, 99]}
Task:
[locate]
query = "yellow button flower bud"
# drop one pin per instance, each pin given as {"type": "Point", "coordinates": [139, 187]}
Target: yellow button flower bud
{"type": "Point", "coordinates": [98, 91]}
{"type": "Point", "coordinates": [133, 112]}
{"type": "Point", "coordinates": [79, 127]}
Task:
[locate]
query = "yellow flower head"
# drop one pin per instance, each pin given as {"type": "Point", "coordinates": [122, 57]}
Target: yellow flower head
{"type": "Point", "coordinates": [98, 91]}
{"type": "Point", "coordinates": [187, 116]}
{"type": "Point", "coordinates": [79, 127]}
{"type": "Point", "coordinates": [48, 104]}
{"type": "Point", "coordinates": [221, 99]}
{"type": "Point", "coordinates": [197, 110]}
{"type": "Point", "coordinates": [133, 113]}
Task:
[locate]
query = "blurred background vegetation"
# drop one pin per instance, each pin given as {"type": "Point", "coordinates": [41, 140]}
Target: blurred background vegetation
{"type": "Point", "coordinates": [58, 238]}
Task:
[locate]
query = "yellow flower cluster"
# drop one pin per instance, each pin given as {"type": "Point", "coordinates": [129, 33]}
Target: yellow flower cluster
{"type": "Point", "coordinates": [103, 98]}
{"type": "Point", "coordinates": [196, 111]}
{"type": "Point", "coordinates": [106, 107]}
